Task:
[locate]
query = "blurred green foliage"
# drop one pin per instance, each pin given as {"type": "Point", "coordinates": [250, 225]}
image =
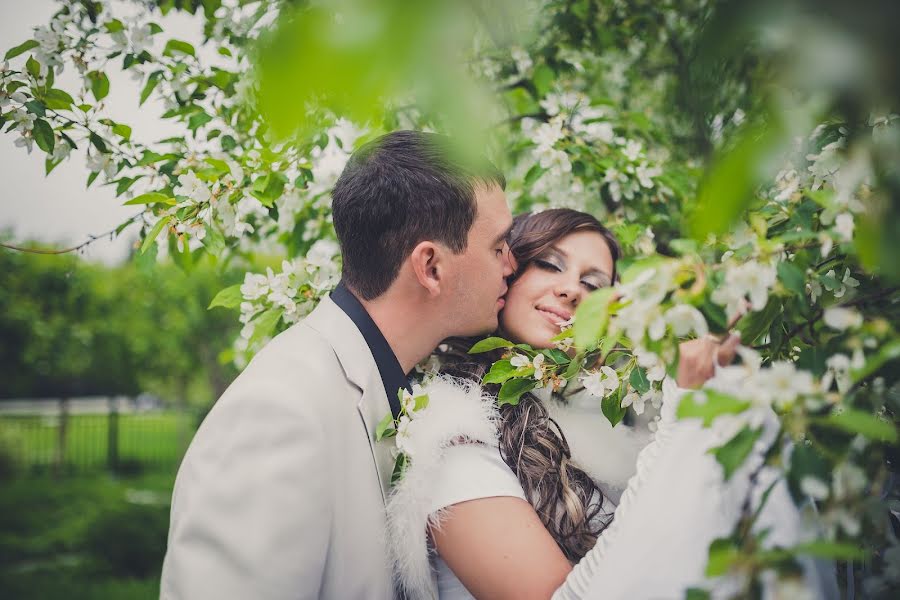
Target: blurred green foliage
{"type": "Point", "coordinates": [74, 328]}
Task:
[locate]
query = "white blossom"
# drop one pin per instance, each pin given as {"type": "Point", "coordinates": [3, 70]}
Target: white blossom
{"type": "Point", "coordinates": [538, 364]}
{"type": "Point", "coordinates": [814, 487]}
{"type": "Point", "coordinates": [837, 369]}
{"type": "Point", "coordinates": [601, 383]}
{"type": "Point", "coordinates": [840, 318]}
{"type": "Point", "coordinates": [685, 319]}
{"type": "Point", "coordinates": [102, 162]}
{"type": "Point", "coordinates": [751, 280]}
{"type": "Point", "coordinates": [634, 400]}
{"type": "Point", "coordinates": [846, 282]}
{"type": "Point", "coordinates": [782, 383]}
{"type": "Point", "coordinates": [519, 361]}
{"type": "Point", "coordinates": [843, 225]}
{"type": "Point", "coordinates": [192, 187]}
{"type": "Point", "coordinates": [255, 286]}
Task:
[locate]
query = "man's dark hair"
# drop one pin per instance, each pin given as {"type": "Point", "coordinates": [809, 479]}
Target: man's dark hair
{"type": "Point", "coordinates": [396, 191]}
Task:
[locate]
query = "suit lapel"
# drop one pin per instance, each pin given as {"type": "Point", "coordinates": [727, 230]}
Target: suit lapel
{"type": "Point", "coordinates": [373, 406]}
{"type": "Point", "coordinates": [359, 366]}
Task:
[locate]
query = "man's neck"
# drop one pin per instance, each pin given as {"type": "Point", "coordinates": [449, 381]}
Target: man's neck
{"type": "Point", "coordinates": [411, 333]}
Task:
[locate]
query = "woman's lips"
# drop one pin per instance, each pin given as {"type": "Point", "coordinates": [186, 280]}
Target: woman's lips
{"type": "Point", "coordinates": [552, 315]}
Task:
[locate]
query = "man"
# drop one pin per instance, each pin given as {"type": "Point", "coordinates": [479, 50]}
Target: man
{"type": "Point", "coordinates": [281, 493]}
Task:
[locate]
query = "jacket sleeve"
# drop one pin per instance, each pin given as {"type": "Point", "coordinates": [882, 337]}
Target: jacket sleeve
{"type": "Point", "coordinates": [251, 510]}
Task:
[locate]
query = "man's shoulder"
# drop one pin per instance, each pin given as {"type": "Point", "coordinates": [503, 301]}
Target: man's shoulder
{"type": "Point", "coordinates": [300, 353]}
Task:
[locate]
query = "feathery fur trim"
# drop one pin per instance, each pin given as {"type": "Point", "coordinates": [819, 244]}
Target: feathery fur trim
{"type": "Point", "coordinates": [456, 409]}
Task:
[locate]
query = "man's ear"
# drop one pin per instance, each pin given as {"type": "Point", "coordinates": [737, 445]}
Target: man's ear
{"type": "Point", "coordinates": [427, 263]}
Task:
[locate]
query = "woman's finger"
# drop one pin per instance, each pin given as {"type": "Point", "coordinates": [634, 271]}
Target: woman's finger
{"type": "Point", "coordinates": [726, 351]}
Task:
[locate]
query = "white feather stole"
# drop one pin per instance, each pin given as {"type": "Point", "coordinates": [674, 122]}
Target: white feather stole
{"type": "Point", "coordinates": [456, 410]}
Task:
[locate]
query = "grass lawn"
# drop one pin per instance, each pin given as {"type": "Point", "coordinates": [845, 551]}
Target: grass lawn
{"type": "Point", "coordinates": [85, 536]}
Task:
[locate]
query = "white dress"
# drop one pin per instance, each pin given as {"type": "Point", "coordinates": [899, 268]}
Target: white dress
{"type": "Point", "coordinates": [657, 546]}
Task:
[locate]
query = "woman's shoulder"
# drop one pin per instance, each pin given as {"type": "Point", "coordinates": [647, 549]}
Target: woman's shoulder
{"type": "Point", "coordinates": [453, 456]}
{"type": "Point", "coordinates": [471, 471]}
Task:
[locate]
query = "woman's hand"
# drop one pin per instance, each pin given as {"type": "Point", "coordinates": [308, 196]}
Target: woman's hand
{"type": "Point", "coordinates": [697, 358]}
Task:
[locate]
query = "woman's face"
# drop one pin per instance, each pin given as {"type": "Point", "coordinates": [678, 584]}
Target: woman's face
{"type": "Point", "coordinates": [552, 285]}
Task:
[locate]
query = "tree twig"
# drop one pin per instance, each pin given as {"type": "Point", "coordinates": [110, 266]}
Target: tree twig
{"type": "Point", "coordinates": [91, 239]}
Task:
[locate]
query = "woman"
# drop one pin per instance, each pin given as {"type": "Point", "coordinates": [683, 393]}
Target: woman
{"type": "Point", "coordinates": [511, 523]}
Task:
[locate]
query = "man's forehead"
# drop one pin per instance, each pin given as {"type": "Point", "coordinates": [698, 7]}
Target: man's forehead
{"type": "Point", "coordinates": [493, 211]}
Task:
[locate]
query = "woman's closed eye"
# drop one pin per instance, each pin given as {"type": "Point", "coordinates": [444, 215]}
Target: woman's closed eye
{"type": "Point", "coordinates": [548, 265]}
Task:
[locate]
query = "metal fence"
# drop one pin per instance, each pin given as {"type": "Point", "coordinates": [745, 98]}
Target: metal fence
{"type": "Point", "coordinates": [84, 434]}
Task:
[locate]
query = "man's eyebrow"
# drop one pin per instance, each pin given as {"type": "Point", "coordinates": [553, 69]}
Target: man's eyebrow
{"type": "Point", "coordinates": [503, 236]}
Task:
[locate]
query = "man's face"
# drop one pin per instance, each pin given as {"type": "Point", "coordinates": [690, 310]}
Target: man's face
{"type": "Point", "coordinates": [479, 284]}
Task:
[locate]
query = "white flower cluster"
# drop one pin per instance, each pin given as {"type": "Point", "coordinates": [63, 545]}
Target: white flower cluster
{"type": "Point", "coordinates": [779, 384]}
{"type": "Point", "coordinates": [294, 291]}
{"type": "Point", "coordinates": [634, 174]}
{"type": "Point", "coordinates": [749, 280]}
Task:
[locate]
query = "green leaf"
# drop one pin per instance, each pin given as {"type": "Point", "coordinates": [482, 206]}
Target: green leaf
{"type": "Point", "coordinates": [213, 241]}
{"type": "Point", "coordinates": [728, 188]}
{"type": "Point", "coordinates": [638, 380]}
{"type": "Point", "coordinates": [123, 184]}
{"type": "Point", "coordinates": [400, 466]}
{"type": "Point", "coordinates": [556, 355]}
{"type": "Point", "coordinates": [755, 324]}
{"type": "Point", "coordinates": [543, 79]}
{"type": "Point", "coordinates": [591, 318]}
{"type": "Point", "coordinates": [385, 428]}
{"type": "Point", "coordinates": [792, 277]}
{"type": "Point", "coordinates": [114, 25]}
{"type": "Point", "coordinates": [887, 353]}
{"type": "Point", "coordinates": [99, 84]}
{"type": "Point", "coordinates": [575, 366]}
{"type": "Point", "coordinates": [268, 188]}
{"type": "Point", "coordinates": [58, 99]}
{"type": "Point", "coordinates": [36, 107]}
{"type": "Point", "coordinates": [863, 423]}
{"type": "Point", "coordinates": [830, 550]}
{"type": "Point", "coordinates": [696, 594]}
{"type": "Point", "coordinates": [421, 402]}
{"type": "Point", "coordinates": [512, 390]}
{"type": "Point", "coordinates": [91, 178]}
{"type": "Point", "coordinates": [198, 120]}
{"type": "Point", "coordinates": [21, 49]}
{"type": "Point", "coordinates": [500, 372]}
{"type": "Point", "coordinates": [488, 344]}
{"type": "Point", "coordinates": [151, 237]}
{"type": "Point", "coordinates": [43, 135]}
{"type": "Point", "coordinates": [229, 297]}
{"type": "Point", "coordinates": [264, 324]}
{"type": "Point", "coordinates": [611, 406]}
{"type": "Point", "coordinates": [151, 198]}
{"type": "Point", "coordinates": [722, 554]}
{"type": "Point", "coordinates": [98, 142]}
{"type": "Point", "coordinates": [152, 82]}
{"type": "Point", "coordinates": [122, 130]}
{"type": "Point", "coordinates": [33, 67]}
{"type": "Point", "coordinates": [731, 454]}
{"type": "Point", "coordinates": [49, 165]}
{"type": "Point", "coordinates": [174, 47]}
{"type": "Point", "coordinates": [709, 404]}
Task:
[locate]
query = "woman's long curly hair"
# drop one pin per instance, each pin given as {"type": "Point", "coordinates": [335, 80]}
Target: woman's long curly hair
{"type": "Point", "coordinates": [567, 500]}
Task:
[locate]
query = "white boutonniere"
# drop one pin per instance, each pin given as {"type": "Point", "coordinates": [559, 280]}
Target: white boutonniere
{"type": "Point", "coordinates": [401, 428]}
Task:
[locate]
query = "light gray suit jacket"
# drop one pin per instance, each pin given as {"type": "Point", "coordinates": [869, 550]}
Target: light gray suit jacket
{"type": "Point", "coordinates": [281, 493]}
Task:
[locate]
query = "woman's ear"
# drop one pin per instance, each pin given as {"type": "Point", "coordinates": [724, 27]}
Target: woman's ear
{"type": "Point", "coordinates": [427, 264]}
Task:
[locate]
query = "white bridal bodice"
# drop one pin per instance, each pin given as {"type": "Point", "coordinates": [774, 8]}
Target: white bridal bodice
{"type": "Point", "coordinates": [675, 502]}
